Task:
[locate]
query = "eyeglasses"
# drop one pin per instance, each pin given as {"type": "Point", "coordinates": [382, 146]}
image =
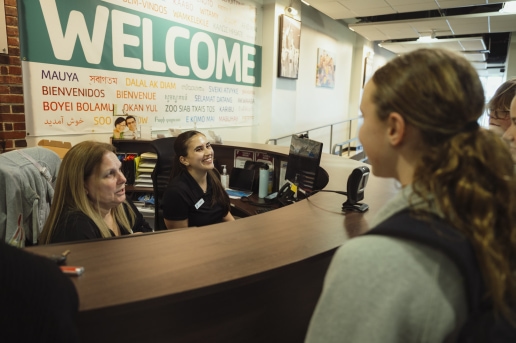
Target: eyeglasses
{"type": "Point", "coordinates": [131, 122]}
{"type": "Point", "coordinates": [498, 114]}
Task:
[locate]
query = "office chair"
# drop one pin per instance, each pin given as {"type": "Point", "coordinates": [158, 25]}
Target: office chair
{"type": "Point", "coordinates": [322, 179]}
{"type": "Point", "coordinates": [164, 148]}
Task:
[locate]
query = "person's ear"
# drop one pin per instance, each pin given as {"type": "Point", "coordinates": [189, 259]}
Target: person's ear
{"type": "Point", "coordinates": [183, 161]}
{"type": "Point", "coordinates": [396, 128]}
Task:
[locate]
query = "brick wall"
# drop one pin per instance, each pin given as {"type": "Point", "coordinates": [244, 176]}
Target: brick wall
{"type": "Point", "coordinates": [12, 111]}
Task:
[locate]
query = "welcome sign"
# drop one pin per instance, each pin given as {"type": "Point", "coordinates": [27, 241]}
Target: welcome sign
{"type": "Point", "coordinates": [171, 63]}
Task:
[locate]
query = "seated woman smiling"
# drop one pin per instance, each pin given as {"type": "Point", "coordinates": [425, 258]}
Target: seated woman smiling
{"type": "Point", "coordinates": [89, 200]}
{"type": "Point", "coordinates": [194, 196]}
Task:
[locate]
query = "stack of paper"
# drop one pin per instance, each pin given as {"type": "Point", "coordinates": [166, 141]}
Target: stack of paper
{"type": "Point", "coordinates": [146, 163]}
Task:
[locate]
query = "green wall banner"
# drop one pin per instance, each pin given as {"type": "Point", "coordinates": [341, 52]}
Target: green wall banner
{"type": "Point", "coordinates": [171, 63]}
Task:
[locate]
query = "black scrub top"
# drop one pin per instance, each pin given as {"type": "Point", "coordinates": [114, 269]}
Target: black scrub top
{"type": "Point", "coordinates": [184, 199]}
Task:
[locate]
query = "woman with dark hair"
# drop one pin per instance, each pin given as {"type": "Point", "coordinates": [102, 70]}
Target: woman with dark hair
{"type": "Point", "coordinates": [194, 196]}
{"type": "Point", "coordinates": [118, 131]}
{"type": "Point", "coordinates": [420, 127]}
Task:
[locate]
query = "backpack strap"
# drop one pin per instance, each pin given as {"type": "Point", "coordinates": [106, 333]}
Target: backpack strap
{"type": "Point", "coordinates": [438, 234]}
{"type": "Point", "coordinates": [483, 324]}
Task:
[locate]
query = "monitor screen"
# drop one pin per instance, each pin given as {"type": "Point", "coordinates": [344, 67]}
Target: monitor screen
{"type": "Point", "coordinates": [303, 162]}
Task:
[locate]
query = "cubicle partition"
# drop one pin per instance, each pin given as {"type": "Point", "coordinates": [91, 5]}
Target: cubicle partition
{"type": "Point", "coordinates": [256, 279]}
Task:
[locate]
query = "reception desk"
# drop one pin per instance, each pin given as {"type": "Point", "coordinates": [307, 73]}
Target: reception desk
{"type": "Point", "coordinates": [256, 279]}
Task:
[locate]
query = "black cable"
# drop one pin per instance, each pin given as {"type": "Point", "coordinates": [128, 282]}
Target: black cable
{"type": "Point", "coordinates": [322, 208]}
{"type": "Point", "coordinates": [345, 206]}
{"type": "Point", "coordinates": [330, 191]}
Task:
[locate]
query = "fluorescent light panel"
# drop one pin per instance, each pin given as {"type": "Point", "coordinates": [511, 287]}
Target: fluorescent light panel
{"type": "Point", "coordinates": [427, 39]}
{"type": "Point", "coordinates": [509, 7]}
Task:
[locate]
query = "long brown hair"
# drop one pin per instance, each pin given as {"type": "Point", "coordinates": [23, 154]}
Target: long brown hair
{"type": "Point", "coordinates": [181, 150]}
{"type": "Point", "coordinates": [467, 172]}
{"type": "Point", "coordinates": [79, 163]}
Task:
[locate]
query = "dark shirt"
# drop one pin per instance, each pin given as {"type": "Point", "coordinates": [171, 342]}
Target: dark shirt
{"type": "Point", "coordinates": [184, 199]}
{"type": "Point", "coordinates": [77, 226]}
{"type": "Point", "coordinates": [38, 303]}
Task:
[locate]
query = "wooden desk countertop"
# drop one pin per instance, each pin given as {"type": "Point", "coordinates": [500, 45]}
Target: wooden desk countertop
{"type": "Point", "coordinates": [196, 262]}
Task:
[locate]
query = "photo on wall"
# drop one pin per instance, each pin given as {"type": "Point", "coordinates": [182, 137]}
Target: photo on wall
{"type": "Point", "coordinates": [290, 38]}
{"type": "Point", "coordinates": [325, 69]}
{"type": "Point", "coordinates": [125, 126]}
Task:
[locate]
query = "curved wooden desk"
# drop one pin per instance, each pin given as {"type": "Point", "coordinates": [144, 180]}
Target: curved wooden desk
{"type": "Point", "coordinates": [253, 280]}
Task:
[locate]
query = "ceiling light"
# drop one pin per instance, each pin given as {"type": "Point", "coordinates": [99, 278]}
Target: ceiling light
{"type": "Point", "coordinates": [427, 39]}
{"type": "Point", "coordinates": [509, 7]}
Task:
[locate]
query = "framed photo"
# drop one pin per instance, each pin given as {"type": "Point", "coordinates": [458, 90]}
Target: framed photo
{"type": "Point", "coordinates": [125, 126]}
{"type": "Point", "coordinates": [325, 69]}
{"type": "Point", "coordinates": [290, 38]}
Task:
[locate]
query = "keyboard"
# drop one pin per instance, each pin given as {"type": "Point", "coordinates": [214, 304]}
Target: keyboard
{"type": "Point", "coordinates": [263, 210]}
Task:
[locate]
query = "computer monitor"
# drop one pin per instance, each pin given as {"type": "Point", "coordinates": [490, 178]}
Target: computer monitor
{"type": "Point", "coordinates": [303, 161]}
{"type": "Point", "coordinates": [242, 179]}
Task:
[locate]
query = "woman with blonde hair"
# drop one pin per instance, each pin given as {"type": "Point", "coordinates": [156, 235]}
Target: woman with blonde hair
{"type": "Point", "coordinates": [89, 200]}
{"type": "Point", "coordinates": [420, 127]}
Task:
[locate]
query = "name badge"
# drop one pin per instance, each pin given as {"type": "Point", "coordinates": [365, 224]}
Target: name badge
{"type": "Point", "coordinates": [199, 203]}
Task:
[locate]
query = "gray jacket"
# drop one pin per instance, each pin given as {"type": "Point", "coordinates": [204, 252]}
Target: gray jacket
{"type": "Point", "coordinates": [389, 290]}
{"type": "Point", "coordinates": [25, 193]}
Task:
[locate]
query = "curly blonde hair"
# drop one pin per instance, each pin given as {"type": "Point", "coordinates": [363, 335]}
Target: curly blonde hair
{"type": "Point", "coordinates": [467, 172]}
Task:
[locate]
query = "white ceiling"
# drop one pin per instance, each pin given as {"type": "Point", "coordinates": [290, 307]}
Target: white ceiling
{"type": "Point", "coordinates": [346, 9]}
{"type": "Point", "coordinates": [450, 26]}
{"type": "Point", "coordinates": [444, 26]}
{"type": "Point", "coordinates": [474, 48]}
